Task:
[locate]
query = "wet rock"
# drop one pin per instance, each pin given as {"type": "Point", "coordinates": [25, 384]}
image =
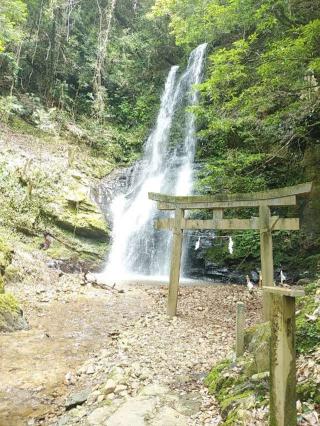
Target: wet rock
{"type": "Point", "coordinates": [73, 209]}
{"type": "Point", "coordinates": [76, 399]}
{"type": "Point", "coordinates": [117, 182]}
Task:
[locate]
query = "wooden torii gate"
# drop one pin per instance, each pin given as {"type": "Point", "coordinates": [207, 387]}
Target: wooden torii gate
{"type": "Point", "coordinates": [217, 203]}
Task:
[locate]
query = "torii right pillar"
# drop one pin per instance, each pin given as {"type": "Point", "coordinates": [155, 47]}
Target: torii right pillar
{"type": "Point", "coordinates": [283, 410]}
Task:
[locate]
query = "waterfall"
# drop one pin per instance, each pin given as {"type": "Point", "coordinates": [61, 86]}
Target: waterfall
{"type": "Point", "coordinates": [137, 249]}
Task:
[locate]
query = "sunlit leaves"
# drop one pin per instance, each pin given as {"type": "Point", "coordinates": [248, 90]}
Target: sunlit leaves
{"type": "Point", "coordinates": [12, 15]}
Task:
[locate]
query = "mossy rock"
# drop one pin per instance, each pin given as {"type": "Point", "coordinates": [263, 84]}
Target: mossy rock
{"type": "Point", "coordinates": [257, 344]}
{"type": "Point", "coordinates": [11, 316]}
{"type": "Point", "coordinates": [234, 402]}
{"type": "Point", "coordinates": [243, 384]}
{"type": "Point", "coordinates": [215, 375]}
{"type": "Point", "coordinates": [78, 215]}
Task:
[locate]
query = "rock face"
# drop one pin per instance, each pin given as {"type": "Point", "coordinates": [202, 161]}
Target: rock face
{"type": "Point", "coordinates": [42, 191]}
{"type": "Point", "coordinates": [74, 209]}
{"type": "Point", "coordinates": [117, 182]}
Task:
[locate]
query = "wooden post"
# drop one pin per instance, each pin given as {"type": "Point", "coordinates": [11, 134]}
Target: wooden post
{"type": "Point", "coordinates": [266, 256]}
{"type": "Point", "coordinates": [240, 326]}
{"type": "Point", "coordinates": [282, 356]}
{"type": "Point", "coordinates": [175, 263]}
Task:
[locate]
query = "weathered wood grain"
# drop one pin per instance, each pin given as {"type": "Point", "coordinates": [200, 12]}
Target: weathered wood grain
{"type": "Point", "coordinates": [229, 224]}
{"type": "Point", "coordinates": [303, 188]}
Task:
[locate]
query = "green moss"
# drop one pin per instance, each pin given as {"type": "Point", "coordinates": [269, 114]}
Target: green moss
{"type": "Point", "coordinates": [232, 419]}
{"type": "Point", "coordinates": [1, 285]}
{"type": "Point", "coordinates": [22, 126]}
{"type": "Point", "coordinates": [60, 252]}
{"type": "Point", "coordinates": [75, 213]}
{"type": "Point", "coordinates": [229, 403]}
{"type": "Point", "coordinates": [307, 331]}
{"type": "Point", "coordinates": [8, 303]}
{"type": "Point", "coordinates": [11, 272]}
{"type": "Point", "coordinates": [236, 385]}
{"type": "Point", "coordinates": [10, 314]}
{"type": "Point", "coordinates": [5, 256]}
{"type": "Point", "coordinates": [309, 391]}
{"type": "Point", "coordinates": [215, 374]}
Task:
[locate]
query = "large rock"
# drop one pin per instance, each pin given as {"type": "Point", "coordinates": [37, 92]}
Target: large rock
{"type": "Point", "coordinates": [133, 412]}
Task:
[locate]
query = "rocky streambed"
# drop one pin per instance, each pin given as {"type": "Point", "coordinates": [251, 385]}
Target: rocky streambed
{"type": "Point", "coordinates": [95, 356]}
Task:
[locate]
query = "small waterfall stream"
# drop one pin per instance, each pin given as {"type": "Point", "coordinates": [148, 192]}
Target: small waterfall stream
{"type": "Point", "coordinates": [167, 166]}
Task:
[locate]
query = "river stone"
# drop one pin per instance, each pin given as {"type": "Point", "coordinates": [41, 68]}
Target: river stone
{"type": "Point", "coordinates": [77, 398]}
{"type": "Point", "coordinates": [109, 386]}
{"type": "Point", "coordinates": [132, 413]}
{"type": "Point", "coordinates": [167, 416]}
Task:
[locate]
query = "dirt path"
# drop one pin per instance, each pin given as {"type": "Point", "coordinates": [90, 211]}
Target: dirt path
{"type": "Point", "coordinates": [63, 334]}
{"type": "Point", "coordinates": [82, 337]}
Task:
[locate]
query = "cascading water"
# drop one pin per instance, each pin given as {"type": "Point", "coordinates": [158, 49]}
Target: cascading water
{"type": "Point", "coordinates": [137, 249]}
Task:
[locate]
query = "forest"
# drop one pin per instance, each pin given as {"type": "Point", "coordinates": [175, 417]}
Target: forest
{"type": "Point", "coordinates": [81, 84]}
{"type": "Point", "coordinates": [102, 68]}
